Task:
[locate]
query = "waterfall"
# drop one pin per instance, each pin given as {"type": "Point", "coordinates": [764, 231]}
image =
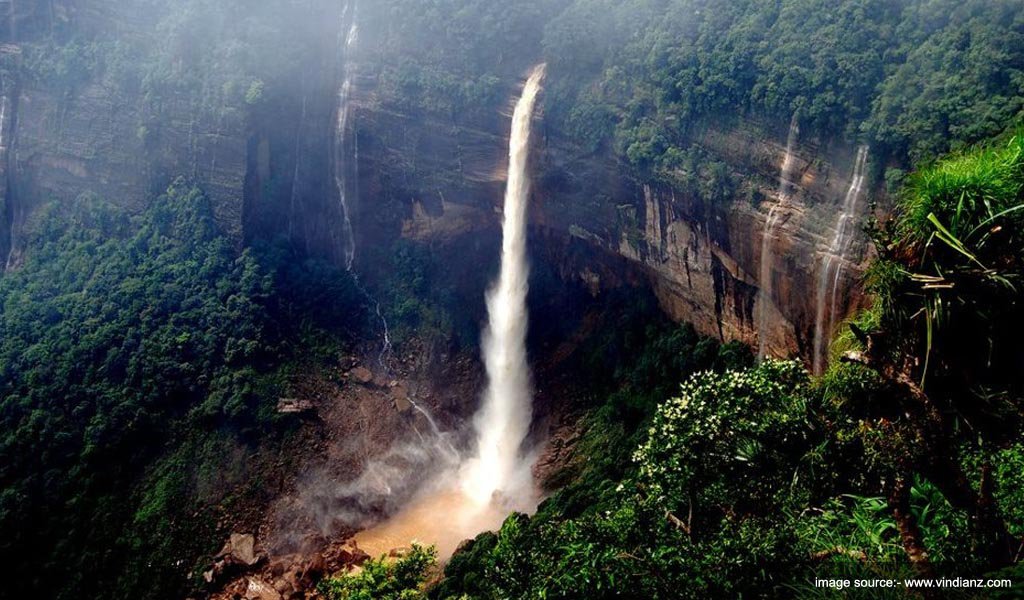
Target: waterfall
{"type": "Point", "coordinates": [765, 283]}
{"type": "Point", "coordinates": [295, 172]}
{"type": "Point", "coordinates": [835, 260]}
{"type": "Point", "coordinates": [342, 155]}
{"type": "Point", "coordinates": [460, 502]}
{"type": "Point", "coordinates": [12, 22]}
{"type": "Point", "coordinates": [504, 418]}
{"type": "Point", "coordinates": [12, 212]}
{"type": "Point", "coordinates": [341, 137]}
{"type": "Point", "coordinates": [3, 123]}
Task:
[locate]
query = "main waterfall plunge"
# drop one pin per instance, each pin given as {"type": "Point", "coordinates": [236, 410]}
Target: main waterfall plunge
{"type": "Point", "coordinates": [478, 493]}
{"type": "Point", "coordinates": [504, 418]}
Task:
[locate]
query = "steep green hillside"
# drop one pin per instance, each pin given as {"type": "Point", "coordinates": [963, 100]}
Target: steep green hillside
{"type": "Point", "coordinates": [137, 357]}
{"type": "Point", "coordinates": [908, 77]}
{"type": "Point", "coordinates": [148, 331]}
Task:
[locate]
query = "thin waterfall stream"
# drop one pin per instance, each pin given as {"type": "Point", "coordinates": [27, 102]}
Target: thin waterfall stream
{"type": "Point", "coordinates": [767, 267]}
{"type": "Point", "coordinates": [341, 137]}
{"type": "Point", "coordinates": [835, 261]}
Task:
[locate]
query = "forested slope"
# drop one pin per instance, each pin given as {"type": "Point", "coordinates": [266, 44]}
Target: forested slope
{"type": "Point", "coordinates": [138, 358]}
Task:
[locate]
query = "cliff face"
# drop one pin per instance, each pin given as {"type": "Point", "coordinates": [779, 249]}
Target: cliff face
{"type": "Point", "coordinates": [90, 137]}
{"type": "Point", "coordinates": [104, 127]}
{"type": "Point", "coordinates": [269, 169]}
{"type": "Point", "coordinates": [702, 260]}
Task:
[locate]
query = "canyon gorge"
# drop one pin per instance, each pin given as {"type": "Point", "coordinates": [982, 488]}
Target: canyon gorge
{"type": "Point", "coordinates": [434, 179]}
{"type": "Point", "coordinates": [454, 256]}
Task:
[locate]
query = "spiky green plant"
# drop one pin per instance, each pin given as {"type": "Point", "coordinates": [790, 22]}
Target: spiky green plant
{"type": "Point", "coordinates": [952, 261]}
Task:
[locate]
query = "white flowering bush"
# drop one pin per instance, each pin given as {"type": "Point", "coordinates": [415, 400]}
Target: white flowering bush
{"type": "Point", "coordinates": [729, 442]}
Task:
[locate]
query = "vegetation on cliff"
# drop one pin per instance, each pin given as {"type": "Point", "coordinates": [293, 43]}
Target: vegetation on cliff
{"type": "Point", "coordinates": [911, 78]}
{"type": "Point", "coordinates": [221, 60]}
{"type": "Point", "coordinates": [141, 354]}
{"type": "Point", "coordinates": [137, 356]}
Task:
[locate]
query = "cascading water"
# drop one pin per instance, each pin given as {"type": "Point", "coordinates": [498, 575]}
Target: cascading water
{"type": "Point", "coordinates": [835, 262]}
{"type": "Point", "coordinates": [3, 123]}
{"type": "Point", "coordinates": [461, 502]}
{"type": "Point", "coordinates": [12, 213]}
{"type": "Point", "coordinates": [341, 135]}
{"type": "Point", "coordinates": [295, 172]}
{"type": "Point", "coordinates": [344, 150]}
{"type": "Point", "coordinates": [765, 283]}
{"type": "Point", "coordinates": [504, 419]}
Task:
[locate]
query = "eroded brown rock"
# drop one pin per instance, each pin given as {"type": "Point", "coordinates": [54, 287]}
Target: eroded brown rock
{"type": "Point", "coordinates": [361, 375]}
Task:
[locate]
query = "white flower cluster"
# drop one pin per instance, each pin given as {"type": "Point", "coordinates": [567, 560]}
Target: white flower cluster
{"type": "Point", "coordinates": [699, 424]}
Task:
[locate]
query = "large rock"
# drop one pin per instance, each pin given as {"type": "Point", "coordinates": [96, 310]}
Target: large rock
{"type": "Point", "coordinates": [257, 589]}
{"type": "Point", "coordinates": [361, 375]}
{"type": "Point", "coordinates": [240, 548]}
{"type": "Point", "coordinates": [293, 405]}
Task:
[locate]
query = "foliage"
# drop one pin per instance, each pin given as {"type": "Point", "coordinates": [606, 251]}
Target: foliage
{"type": "Point", "coordinates": [857, 537]}
{"type": "Point", "coordinates": [635, 360]}
{"type": "Point", "coordinates": [730, 495]}
{"type": "Point", "coordinates": [912, 78]}
{"type": "Point", "coordinates": [724, 440]}
{"type": "Point", "coordinates": [110, 332]}
{"type": "Point", "coordinates": [663, 532]}
{"type": "Point", "coordinates": [384, 578]}
{"type": "Point", "coordinates": [1009, 494]}
{"type": "Point", "coordinates": [221, 59]}
{"type": "Point", "coordinates": [755, 482]}
{"type": "Point", "coordinates": [950, 276]}
{"type": "Point", "coordinates": [416, 303]}
{"type": "Point", "coordinates": [449, 56]}
{"type": "Point", "coordinates": [935, 387]}
{"type": "Point", "coordinates": [136, 357]}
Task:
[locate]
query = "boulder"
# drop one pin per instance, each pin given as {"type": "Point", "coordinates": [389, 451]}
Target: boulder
{"type": "Point", "coordinates": [352, 555]}
{"type": "Point", "coordinates": [257, 589]}
{"type": "Point", "coordinates": [293, 405]}
{"type": "Point", "coordinates": [362, 375]}
{"type": "Point", "coordinates": [241, 549]}
{"type": "Point", "coordinates": [283, 587]}
{"type": "Point", "coordinates": [312, 571]}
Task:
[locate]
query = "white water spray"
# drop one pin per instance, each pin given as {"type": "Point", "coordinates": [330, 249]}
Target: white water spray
{"type": "Point", "coordinates": [503, 422]}
{"type": "Point", "coordinates": [767, 267]}
{"type": "Point", "coordinates": [295, 172]}
{"type": "Point", "coordinates": [835, 262]}
{"type": "Point", "coordinates": [341, 136]}
{"type": "Point", "coordinates": [459, 502]}
{"type": "Point", "coordinates": [3, 123]}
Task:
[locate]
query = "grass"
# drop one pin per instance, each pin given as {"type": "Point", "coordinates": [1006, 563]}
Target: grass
{"type": "Point", "coordinates": [966, 193]}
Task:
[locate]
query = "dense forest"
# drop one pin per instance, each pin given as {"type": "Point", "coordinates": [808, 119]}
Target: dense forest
{"type": "Point", "coordinates": [147, 340]}
{"type": "Point", "coordinates": [911, 78]}
{"type": "Point", "coordinates": [140, 354]}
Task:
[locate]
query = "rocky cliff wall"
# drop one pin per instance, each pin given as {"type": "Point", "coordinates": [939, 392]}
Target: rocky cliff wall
{"type": "Point", "coordinates": [92, 136]}
{"type": "Point", "coordinates": [117, 98]}
{"type": "Point", "coordinates": [701, 259]}
{"type": "Point", "coordinates": [269, 170]}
